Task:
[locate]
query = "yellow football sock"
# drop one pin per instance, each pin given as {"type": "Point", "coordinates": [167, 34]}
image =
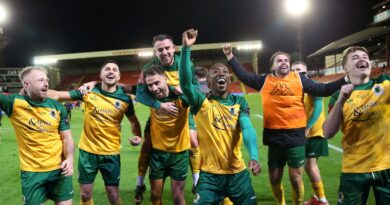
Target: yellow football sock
{"type": "Point", "coordinates": [195, 160]}
{"type": "Point", "coordinates": [227, 201]}
{"type": "Point", "coordinates": [278, 192]}
{"type": "Point", "coordinates": [298, 195]}
{"type": "Point", "coordinates": [318, 188]}
{"type": "Point", "coordinates": [90, 202]}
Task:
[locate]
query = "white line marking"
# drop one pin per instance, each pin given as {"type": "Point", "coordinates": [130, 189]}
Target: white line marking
{"type": "Point", "coordinates": [335, 148]}
{"type": "Point", "coordinates": [259, 116]}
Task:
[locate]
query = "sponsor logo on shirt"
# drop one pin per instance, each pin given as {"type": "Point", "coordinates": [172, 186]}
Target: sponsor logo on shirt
{"type": "Point", "coordinates": [282, 90]}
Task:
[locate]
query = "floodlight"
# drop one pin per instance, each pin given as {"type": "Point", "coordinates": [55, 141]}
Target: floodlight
{"type": "Point", "coordinates": [145, 54]}
{"type": "Point", "coordinates": [44, 61]}
{"type": "Point", "coordinates": [256, 46]}
{"type": "Point", "coordinates": [297, 7]}
{"type": "Point", "coordinates": [3, 14]}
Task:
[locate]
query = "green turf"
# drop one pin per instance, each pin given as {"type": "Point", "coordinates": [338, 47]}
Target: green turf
{"type": "Point", "coordinates": [10, 190]}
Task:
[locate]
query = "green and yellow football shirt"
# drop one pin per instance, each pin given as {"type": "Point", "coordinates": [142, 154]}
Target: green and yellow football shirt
{"type": "Point", "coordinates": [316, 129]}
{"type": "Point", "coordinates": [219, 133]}
{"type": "Point", "coordinates": [103, 114]}
{"type": "Point", "coordinates": [170, 133]}
{"type": "Point", "coordinates": [365, 123]}
{"type": "Point", "coordinates": [37, 127]}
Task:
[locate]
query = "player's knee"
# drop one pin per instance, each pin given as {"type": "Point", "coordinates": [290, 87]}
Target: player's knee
{"type": "Point", "coordinates": [275, 179]}
{"type": "Point", "coordinates": [296, 180]}
{"type": "Point", "coordinates": [85, 195]}
{"type": "Point", "coordinates": [113, 197]}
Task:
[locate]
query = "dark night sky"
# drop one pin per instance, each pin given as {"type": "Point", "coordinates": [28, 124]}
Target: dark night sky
{"type": "Point", "coordinates": [42, 27]}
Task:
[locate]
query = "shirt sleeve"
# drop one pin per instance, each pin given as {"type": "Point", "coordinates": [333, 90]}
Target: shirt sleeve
{"type": "Point", "coordinates": [193, 97]}
{"type": "Point", "coordinates": [76, 95]}
{"type": "Point", "coordinates": [320, 89]}
{"type": "Point", "coordinates": [333, 100]}
{"type": "Point", "coordinates": [64, 122]}
{"type": "Point", "coordinates": [249, 137]}
{"type": "Point", "coordinates": [317, 110]}
{"type": "Point", "coordinates": [144, 96]}
{"type": "Point", "coordinates": [248, 78]}
{"type": "Point", "coordinates": [244, 107]}
{"type": "Point", "coordinates": [7, 103]}
{"type": "Point", "coordinates": [130, 109]}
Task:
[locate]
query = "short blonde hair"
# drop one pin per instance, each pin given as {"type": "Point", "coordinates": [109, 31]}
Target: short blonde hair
{"type": "Point", "coordinates": [352, 49]}
{"type": "Point", "coordinates": [28, 70]}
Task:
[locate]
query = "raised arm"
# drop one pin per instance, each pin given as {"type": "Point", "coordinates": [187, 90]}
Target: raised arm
{"type": "Point", "coordinates": [332, 123]}
{"type": "Point", "coordinates": [248, 78]}
{"type": "Point", "coordinates": [321, 89]}
{"type": "Point", "coordinates": [185, 72]}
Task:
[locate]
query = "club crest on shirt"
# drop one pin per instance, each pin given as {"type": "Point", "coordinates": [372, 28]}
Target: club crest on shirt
{"type": "Point", "coordinates": [52, 113]}
{"type": "Point", "coordinates": [378, 90]}
{"type": "Point", "coordinates": [117, 104]}
{"type": "Point", "coordinates": [93, 97]}
{"type": "Point", "coordinates": [232, 111]}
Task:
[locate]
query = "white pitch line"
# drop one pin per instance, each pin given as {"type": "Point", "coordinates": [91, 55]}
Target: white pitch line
{"type": "Point", "coordinates": [338, 149]}
{"type": "Point", "coordinates": [259, 116]}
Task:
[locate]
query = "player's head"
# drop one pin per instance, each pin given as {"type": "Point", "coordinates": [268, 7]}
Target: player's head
{"type": "Point", "coordinates": [218, 79]}
{"type": "Point", "coordinates": [164, 49]}
{"type": "Point", "coordinates": [299, 66]}
{"type": "Point", "coordinates": [156, 81]}
{"type": "Point", "coordinates": [201, 73]}
{"type": "Point", "coordinates": [356, 62]}
{"type": "Point", "coordinates": [110, 73]}
{"type": "Point", "coordinates": [35, 82]}
{"type": "Point", "coordinates": [280, 63]}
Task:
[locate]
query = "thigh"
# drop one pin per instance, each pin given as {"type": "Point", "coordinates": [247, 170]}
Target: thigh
{"type": "Point", "coordinates": [33, 187]}
{"type": "Point", "coordinates": [353, 187]}
{"type": "Point", "coordinates": [276, 157]}
{"type": "Point", "coordinates": [296, 157]}
{"type": "Point", "coordinates": [240, 190]}
{"type": "Point", "coordinates": [210, 188]}
{"type": "Point", "coordinates": [110, 167]}
{"type": "Point", "coordinates": [87, 167]}
{"type": "Point", "coordinates": [60, 187]}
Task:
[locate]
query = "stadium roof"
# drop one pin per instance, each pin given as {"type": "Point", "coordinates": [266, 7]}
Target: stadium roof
{"type": "Point", "coordinates": [244, 45]}
{"type": "Point", "coordinates": [358, 37]}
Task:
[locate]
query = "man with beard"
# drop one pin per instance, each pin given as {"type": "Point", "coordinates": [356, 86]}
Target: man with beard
{"type": "Point", "coordinates": [164, 50]}
{"type": "Point", "coordinates": [99, 146]}
{"type": "Point", "coordinates": [317, 144]}
{"type": "Point", "coordinates": [362, 110]}
{"type": "Point", "coordinates": [223, 123]}
{"type": "Point", "coordinates": [169, 136]}
{"type": "Point", "coordinates": [284, 118]}
{"type": "Point", "coordinates": [44, 140]}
